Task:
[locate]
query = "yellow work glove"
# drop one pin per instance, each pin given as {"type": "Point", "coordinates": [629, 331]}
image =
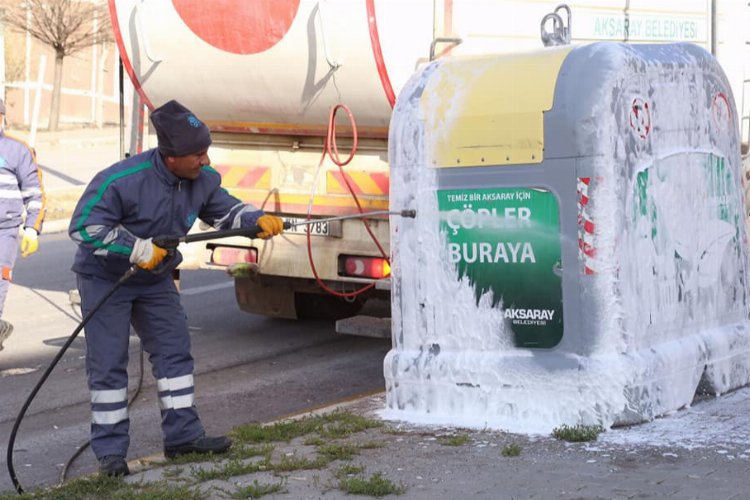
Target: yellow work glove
{"type": "Point", "coordinates": [270, 225]}
{"type": "Point", "coordinates": [146, 255]}
{"type": "Point", "coordinates": [30, 242]}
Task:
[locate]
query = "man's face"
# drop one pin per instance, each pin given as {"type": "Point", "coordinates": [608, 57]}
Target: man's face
{"type": "Point", "coordinates": [188, 166]}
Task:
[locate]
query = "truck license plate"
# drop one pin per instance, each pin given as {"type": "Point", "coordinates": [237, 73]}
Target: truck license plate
{"type": "Point", "coordinates": [316, 228]}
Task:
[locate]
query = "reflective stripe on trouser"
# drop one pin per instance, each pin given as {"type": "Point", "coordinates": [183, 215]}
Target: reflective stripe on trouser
{"type": "Point", "coordinates": [160, 322]}
{"type": "Point", "coordinates": [8, 254]}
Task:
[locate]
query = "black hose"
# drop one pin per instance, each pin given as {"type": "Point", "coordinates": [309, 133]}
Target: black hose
{"type": "Point", "coordinates": [27, 403]}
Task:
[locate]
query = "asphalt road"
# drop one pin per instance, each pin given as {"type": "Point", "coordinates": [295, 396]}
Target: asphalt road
{"type": "Point", "coordinates": [248, 368]}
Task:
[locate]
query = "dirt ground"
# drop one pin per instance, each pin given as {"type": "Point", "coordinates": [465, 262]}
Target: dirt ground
{"type": "Point", "coordinates": [425, 462]}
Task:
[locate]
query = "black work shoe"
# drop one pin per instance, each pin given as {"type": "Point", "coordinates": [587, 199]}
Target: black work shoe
{"type": "Point", "coordinates": [205, 444]}
{"type": "Point", "coordinates": [5, 330]}
{"type": "Point", "coordinates": [113, 465]}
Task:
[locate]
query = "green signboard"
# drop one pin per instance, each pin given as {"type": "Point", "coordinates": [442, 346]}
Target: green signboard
{"type": "Point", "coordinates": [507, 241]}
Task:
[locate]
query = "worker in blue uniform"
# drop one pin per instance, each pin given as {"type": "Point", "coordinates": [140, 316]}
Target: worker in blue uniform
{"type": "Point", "coordinates": [156, 193]}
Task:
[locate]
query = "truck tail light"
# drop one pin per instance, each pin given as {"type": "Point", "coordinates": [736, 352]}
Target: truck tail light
{"type": "Point", "coordinates": [364, 267]}
{"type": "Point", "coordinates": [226, 256]}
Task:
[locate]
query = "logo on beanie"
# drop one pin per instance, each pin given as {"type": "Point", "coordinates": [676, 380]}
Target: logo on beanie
{"type": "Point", "coordinates": [194, 122]}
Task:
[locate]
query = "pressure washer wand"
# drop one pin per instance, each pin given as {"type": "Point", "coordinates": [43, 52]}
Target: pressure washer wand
{"type": "Point", "coordinates": [171, 242]}
{"type": "Point", "coordinates": [402, 213]}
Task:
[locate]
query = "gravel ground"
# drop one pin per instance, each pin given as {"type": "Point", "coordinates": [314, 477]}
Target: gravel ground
{"type": "Point", "coordinates": [427, 462]}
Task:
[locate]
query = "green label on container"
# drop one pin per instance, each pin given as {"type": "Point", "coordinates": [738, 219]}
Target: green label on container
{"type": "Point", "coordinates": [507, 241]}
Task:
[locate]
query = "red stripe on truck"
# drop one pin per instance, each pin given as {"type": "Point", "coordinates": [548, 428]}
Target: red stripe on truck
{"type": "Point", "coordinates": [124, 55]}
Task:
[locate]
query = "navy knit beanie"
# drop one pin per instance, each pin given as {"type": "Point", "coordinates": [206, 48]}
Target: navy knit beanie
{"type": "Point", "coordinates": [179, 132]}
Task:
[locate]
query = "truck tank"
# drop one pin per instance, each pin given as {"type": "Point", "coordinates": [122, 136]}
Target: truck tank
{"type": "Point", "coordinates": [273, 66]}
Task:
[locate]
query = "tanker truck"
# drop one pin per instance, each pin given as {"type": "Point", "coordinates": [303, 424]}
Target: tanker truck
{"type": "Point", "coordinates": [298, 95]}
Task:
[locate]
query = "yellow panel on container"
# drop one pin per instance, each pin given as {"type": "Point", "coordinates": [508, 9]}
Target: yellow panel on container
{"type": "Point", "coordinates": [489, 110]}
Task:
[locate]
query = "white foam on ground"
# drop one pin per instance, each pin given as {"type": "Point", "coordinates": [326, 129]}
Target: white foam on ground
{"type": "Point", "coordinates": [710, 423]}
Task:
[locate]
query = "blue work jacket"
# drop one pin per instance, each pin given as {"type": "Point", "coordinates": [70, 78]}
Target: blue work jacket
{"type": "Point", "coordinates": [140, 198]}
{"type": "Point", "coordinates": [20, 185]}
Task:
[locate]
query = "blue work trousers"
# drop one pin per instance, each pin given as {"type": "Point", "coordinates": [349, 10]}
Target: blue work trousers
{"type": "Point", "coordinates": [159, 320]}
{"type": "Point", "coordinates": [8, 254]}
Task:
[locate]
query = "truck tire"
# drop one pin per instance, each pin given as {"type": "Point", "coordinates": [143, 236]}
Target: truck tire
{"type": "Point", "coordinates": [326, 306]}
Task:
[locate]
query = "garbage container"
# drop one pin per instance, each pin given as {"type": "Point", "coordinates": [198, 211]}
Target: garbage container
{"type": "Point", "coordinates": [580, 253]}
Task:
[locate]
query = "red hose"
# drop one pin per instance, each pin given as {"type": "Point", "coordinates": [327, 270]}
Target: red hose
{"type": "Point", "coordinates": [330, 148]}
{"type": "Point", "coordinates": [377, 52]}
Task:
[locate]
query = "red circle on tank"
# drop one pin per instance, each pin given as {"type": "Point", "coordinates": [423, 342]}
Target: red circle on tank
{"type": "Point", "coordinates": [238, 27]}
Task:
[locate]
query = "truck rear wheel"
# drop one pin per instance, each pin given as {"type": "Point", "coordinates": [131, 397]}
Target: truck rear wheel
{"type": "Point", "coordinates": [326, 306]}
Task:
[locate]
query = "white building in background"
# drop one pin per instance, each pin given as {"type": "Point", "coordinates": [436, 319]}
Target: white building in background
{"type": "Point", "coordinates": [90, 93]}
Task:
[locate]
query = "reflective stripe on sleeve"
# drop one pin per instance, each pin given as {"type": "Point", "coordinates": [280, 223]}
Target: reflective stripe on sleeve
{"type": "Point", "coordinates": [10, 194]}
{"type": "Point", "coordinates": [7, 179]}
{"type": "Point", "coordinates": [31, 192]}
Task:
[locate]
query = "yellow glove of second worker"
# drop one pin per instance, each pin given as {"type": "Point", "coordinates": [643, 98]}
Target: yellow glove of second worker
{"type": "Point", "coordinates": [270, 225]}
{"type": "Point", "coordinates": [30, 242]}
{"type": "Point", "coordinates": [146, 255]}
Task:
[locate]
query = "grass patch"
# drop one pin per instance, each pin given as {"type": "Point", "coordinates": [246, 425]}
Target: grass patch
{"type": "Point", "coordinates": [172, 473]}
{"type": "Point", "coordinates": [375, 486]}
{"type": "Point", "coordinates": [232, 468]}
{"type": "Point", "coordinates": [577, 433]}
{"type": "Point", "coordinates": [235, 467]}
{"type": "Point", "coordinates": [333, 425]}
{"type": "Point", "coordinates": [242, 452]}
{"type": "Point", "coordinates": [338, 451]}
{"type": "Point", "coordinates": [350, 470]}
{"type": "Point", "coordinates": [456, 440]}
{"type": "Point", "coordinates": [318, 430]}
{"type": "Point", "coordinates": [95, 488]}
{"type": "Point", "coordinates": [512, 450]}
{"type": "Point", "coordinates": [371, 445]}
{"type": "Point", "coordinates": [288, 464]}
{"type": "Point", "coordinates": [342, 424]}
{"type": "Point", "coordinates": [236, 452]}
{"type": "Point", "coordinates": [257, 490]}
{"type": "Point", "coordinates": [191, 458]}
{"type": "Point", "coordinates": [278, 431]}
